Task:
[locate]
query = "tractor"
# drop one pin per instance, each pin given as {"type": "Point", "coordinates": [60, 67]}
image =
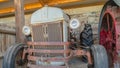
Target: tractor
{"type": "Point", "coordinates": [109, 31]}
{"type": "Point", "coordinates": [53, 43]}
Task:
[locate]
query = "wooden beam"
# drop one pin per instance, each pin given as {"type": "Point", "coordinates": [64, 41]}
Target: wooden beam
{"type": "Point", "coordinates": [32, 6]}
{"type": "Point", "coordinates": [37, 5]}
{"type": "Point", "coordinates": [86, 5]}
{"type": "Point", "coordinates": [3, 0]}
{"type": "Point", "coordinates": [5, 31]}
{"type": "Point", "coordinates": [26, 7]}
{"type": "Point", "coordinates": [20, 20]}
{"type": "Point", "coordinates": [57, 2]}
{"type": "Point", "coordinates": [42, 2]}
{"type": "Point", "coordinates": [7, 10]}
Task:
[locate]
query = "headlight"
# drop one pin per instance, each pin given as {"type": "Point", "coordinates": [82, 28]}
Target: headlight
{"type": "Point", "coordinates": [26, 30]}
{"type": "Point", "coordinates": [74, 23]}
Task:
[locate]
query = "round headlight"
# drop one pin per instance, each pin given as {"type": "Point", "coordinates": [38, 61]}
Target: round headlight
{"type": "Point", "coordinates": [74, 23]}
{"type": "Point", "coordinates": [26, 30]}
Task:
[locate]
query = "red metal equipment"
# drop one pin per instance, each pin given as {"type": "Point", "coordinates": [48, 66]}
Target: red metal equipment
{"type": "Point", "coordinates": [68, 52]}
{"type": "Point", "coordinates": [109, 31]}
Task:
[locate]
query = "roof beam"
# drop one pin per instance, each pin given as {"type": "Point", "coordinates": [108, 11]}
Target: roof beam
{"type": "Point", "coordinates": [56, 2]}
{"type": "Point", "coordinates": [37, 5]}
{"type": "Point", "coordinates": [42, 2]}
{"type": "Point", "coordinates": [27, 7]}
{"type": "Point", "coordinates": [3, 0]}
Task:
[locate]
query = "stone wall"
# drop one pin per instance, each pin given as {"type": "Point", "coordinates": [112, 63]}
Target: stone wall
{"type": "Point", "coordinates": [87, 15]}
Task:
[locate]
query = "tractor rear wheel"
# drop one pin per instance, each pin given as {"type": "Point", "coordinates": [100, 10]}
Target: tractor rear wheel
{"type": "Point", "coordinates": [86, 39]}
{"type": "Point", "coordinates": [100, 58]}
{"type": "Point", "coordinates": [13, 57]}
{"type": "Point", "coordinates": [86, 36]}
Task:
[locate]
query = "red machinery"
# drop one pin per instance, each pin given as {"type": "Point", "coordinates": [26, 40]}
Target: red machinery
{"type": "Point", "coordinates": [109, 31]}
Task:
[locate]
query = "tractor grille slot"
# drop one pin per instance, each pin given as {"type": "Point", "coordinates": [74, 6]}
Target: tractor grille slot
{"type": "Point", "coordinates": [48, 48]}
{"type": "Point", "coordinates": [55, 32]}
{"type": "Point", "coordinates": [48, 55]}
{"type": "Point", "coordinates": [38, 33]}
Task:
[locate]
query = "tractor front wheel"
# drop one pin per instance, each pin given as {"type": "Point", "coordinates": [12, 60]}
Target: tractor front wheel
{"type": "Point", "coordinates": [13, 57]}
{"type": "Point", "coordinates": [100, 58]}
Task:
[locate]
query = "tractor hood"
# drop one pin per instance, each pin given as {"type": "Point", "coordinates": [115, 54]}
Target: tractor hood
{"type": "Point", "coordinates": [48, 14]}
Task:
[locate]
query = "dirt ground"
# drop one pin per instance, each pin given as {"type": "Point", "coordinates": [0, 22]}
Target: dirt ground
{"type": "Point", "coordinates": [74, 64]}
{"type": "Point", "coordinates": [0, 62]}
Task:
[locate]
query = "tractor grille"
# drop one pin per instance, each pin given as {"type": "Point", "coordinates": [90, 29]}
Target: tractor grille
{"type": "Point", "coordinates": [47, 32]}
{"type": "Point", "coordinates": [38, 33]}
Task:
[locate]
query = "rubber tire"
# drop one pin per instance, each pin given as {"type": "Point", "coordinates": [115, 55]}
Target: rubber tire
{"type": "Point", "coordinates": [86, 39]}
{"type": "Point", "coordinates": [86, 36]}
{"type": "Point", "coordinates": [10, 55]}
{"type": "Point", "coordinates": [100, 57]}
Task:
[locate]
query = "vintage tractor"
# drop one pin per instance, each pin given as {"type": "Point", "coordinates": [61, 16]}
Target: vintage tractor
{"type": "Point", "coordinates": [52, 43]}
{"type": "Point", "coordinates": [109, 31]}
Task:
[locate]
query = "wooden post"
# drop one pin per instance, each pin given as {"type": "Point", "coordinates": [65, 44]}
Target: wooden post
{"type": "Point", "coordinates": [20, 20]}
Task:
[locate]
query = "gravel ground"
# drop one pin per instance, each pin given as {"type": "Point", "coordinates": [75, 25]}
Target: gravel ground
{"type": "Point", "coordinates": [0, 62]}
{"type": "Point", "coordinates": [75, 63]}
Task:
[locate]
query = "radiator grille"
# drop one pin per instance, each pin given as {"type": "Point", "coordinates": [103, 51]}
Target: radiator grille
{"type": "Point", "coordinates": [38, 33]}
{"type": "Point", "coordinates": [47, 32]}
{"type": "Point", "coordinates": [55, 32]}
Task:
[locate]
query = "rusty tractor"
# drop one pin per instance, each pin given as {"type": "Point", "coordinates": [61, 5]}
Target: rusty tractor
{"type": "Point", "coordinates": [52, 43]}
{"type": "Point", "coordinates": [109, 31]}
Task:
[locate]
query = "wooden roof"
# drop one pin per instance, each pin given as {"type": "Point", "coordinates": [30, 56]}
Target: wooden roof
{"type": "Point", "coordinates": [7, 6]}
